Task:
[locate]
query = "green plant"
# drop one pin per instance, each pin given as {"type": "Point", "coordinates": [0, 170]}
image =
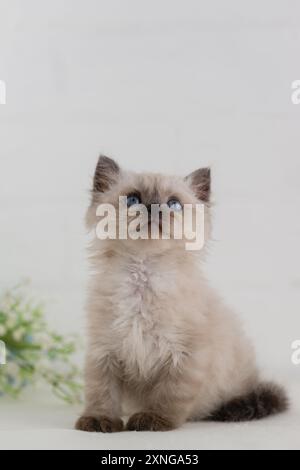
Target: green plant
{"type": "Point", "coordinates": [35, 353]}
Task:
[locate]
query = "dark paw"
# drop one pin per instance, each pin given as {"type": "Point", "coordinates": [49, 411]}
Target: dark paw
{"type": "Point", "coordinates": [100, 424]}
{"type": "Point", "coordinates": [148, 422]}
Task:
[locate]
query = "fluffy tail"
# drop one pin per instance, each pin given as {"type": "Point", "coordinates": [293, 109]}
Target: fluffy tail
{"type": "Point", "coordinates": [266, 400]}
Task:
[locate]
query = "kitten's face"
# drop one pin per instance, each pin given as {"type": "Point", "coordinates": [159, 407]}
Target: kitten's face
{"type": "Point", "coordinates": [110, 182]}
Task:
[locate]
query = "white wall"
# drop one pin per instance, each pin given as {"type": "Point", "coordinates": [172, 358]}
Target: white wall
{"type": "Point", "coordinates": [166, 85]}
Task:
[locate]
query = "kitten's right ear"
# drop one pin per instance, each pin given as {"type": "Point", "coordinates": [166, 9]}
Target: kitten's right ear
{"type": "Point", "coordinates": [200, 182]}
{"type": "Point", "coordinates": [106, 174]}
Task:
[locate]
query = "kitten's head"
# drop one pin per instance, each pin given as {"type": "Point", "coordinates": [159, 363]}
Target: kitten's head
{"type": "Point", "coordinates": [147, 189]}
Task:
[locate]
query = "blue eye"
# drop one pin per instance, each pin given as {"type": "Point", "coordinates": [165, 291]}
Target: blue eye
{"type": "Point", "coordinates": [175, 205]}
{"type": "Point", "coordinates": [133, 199]}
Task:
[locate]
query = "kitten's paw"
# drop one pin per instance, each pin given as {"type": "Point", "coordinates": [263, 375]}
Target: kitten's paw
{"type": "Point", "coordinates": [148, 422]}
{"type": "Point", "coordinates": [100, 424]}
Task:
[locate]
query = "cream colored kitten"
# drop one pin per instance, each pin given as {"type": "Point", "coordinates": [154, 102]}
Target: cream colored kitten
{"type": "Point", "coordinates": [161, 341]}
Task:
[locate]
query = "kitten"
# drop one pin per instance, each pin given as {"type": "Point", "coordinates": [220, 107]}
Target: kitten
{"type": "Point", "coordinates": [160, 339]}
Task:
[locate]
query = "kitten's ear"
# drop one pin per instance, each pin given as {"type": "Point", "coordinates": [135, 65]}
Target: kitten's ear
{"type": "Point", "coordinates": [200, 182]}
{"type": "Point", "coordinates": [106, 173]}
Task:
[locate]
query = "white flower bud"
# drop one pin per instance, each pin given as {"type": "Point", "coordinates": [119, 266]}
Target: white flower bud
{"type": "Point", "coordinates": [2, 330]}
{"type": "Point", "coordinates": [18, 334]}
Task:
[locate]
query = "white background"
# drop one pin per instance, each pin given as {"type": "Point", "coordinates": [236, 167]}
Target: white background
{"type": "Point", "coordinates": [162, 85]}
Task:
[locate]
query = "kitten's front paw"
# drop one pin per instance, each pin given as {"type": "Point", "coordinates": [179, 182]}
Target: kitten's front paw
{"type": "Point", "coordinates": [148, 422]}
{"type": "Point", "coordinates": [100, 424]}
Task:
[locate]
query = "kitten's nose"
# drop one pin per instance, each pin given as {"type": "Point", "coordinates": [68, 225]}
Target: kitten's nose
{"type": "Point", "coordinates": [148, 206]}
{"type": "Point", "coordinates": [149, 212]}
{"type": "Point", "coordinates": [152, 204]}
{"type": "Point", "coordinates": [159, 220]}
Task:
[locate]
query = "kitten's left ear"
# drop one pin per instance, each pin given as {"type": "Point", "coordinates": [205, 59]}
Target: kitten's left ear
{"type": "Point", "coordinates": [200, 182]}
{"type": "Point", "coordinates": [106, 174]}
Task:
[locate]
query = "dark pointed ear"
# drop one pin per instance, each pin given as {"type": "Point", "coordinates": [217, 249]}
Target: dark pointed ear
{"type": "Point", "coordinates": [106, 174]}
{"type": "Point", "coordinates": [200, 182]}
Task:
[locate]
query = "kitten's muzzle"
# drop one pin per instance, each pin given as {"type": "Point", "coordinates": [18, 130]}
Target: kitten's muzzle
{"type": "Point", "coordinates": [157, 220]}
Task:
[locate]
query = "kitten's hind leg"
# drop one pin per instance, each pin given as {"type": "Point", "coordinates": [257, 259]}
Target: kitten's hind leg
{"type": "Point", "coordinates": [266, 400]}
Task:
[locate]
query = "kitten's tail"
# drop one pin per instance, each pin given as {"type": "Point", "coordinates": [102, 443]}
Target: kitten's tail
{"type": "Point", "coordinates": [266, 400]}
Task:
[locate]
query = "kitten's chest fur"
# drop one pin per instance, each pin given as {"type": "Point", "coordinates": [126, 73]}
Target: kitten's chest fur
{"type": "Point", "coordinates": [145, 339]}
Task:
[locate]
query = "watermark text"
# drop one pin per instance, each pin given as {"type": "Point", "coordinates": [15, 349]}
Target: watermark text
{"type": "Point", "coordinates": [2, 92]}
{"type": "Point", "coordinates": [295, 96]}
{"type": "Point", "coordinates": [159, 221]}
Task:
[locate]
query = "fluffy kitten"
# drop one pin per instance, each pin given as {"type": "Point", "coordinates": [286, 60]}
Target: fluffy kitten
{"type": "Point", "coordinates": [160, 339]}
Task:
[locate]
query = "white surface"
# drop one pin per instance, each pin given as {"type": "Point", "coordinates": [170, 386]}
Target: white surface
{"type": "Point", "coordinates": [36, 425]}
{"type": "Point", "coordinates": [169, 86]}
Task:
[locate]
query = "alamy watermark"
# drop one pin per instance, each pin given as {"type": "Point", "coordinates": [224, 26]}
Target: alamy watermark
{"type": "Point", "coordinates": [295, 96]}
{"type": "Point", "coordinates": [2, 353]}
{"type": "Point", "coordinates": [296, 354]}
{"type": "Point", "coordinates": [157, 222]}
{"type": "Point", "coordinates": [2, 92]}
